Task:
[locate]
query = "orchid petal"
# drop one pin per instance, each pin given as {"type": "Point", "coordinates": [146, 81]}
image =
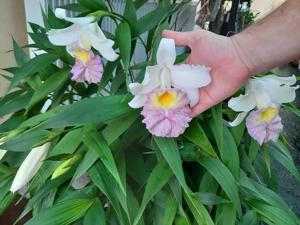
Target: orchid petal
{"type": "Point", "coordinates": [150, 82]}
{"type": "Point", "coordinates": [291, 80]}
{"type": "Point", "coordinates": [193, 95]}
{"type": "Point", "coordinates": [242, 103]}
{"type": "Point", "coordinates": [166, 53]}
{"type": "Point", "coordinates": [190, 76]}
{"type": "Point", "coordinates": [104, 47]}
{"type": "Point", "coordinates": [30, 166]}
{"type": "Point", "coordinates": [238, 120]}
{"type": "Point", "coordinates": [138, 101]}
{"type": "Point", "coordinates": [61, 14]}
{"type": "Point", "coordinates": [65, 36]}
{"type": "Point", "coordinates": [263, 100]}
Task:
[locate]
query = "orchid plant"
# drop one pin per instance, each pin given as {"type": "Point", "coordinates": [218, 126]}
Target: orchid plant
{"type": "Point", "coordinates": [93, 137]}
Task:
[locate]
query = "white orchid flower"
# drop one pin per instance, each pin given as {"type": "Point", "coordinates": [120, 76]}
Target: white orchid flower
{"type": "Point", "coordinates": [164, 75]}
{"type": "Point", "coordinates": [84, 33]}
{"type": "Point", "coordinates": [262, 93]}
{"type": "Point", "coordinates": [30, 166]}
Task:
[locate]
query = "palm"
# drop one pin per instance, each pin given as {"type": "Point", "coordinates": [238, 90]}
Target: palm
{"type": "Point", "coordinates": [217, 52]}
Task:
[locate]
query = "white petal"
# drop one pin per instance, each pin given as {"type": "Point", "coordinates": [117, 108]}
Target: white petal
{"type": "Point", "coordinates": [238, 119]}
{"type": "Point", "coordinates": [104, 47]}
{"type": "Point", "coordinates": [263, 99]}
{"type": "Point", "coordinates": [30, 166]}
{"type": "Point", "coordinates": [2, 153]}
{"type": "Point", "coordinates": [291, 80]}
{"type": "Point", "coordinates": [138, 101]}
{"type": "Point", "coordinates": [242, 103]}
{"type": "Point", "coordinates": [150, 82]}
{"type": "Point", "coordinates": [65, 36]}
{"type": "Point", "coordinates": [61, 14]}
{"type": "Point", "coordinates": [165, 78]}
{"type": "Point", "coordinates": [190, 76]}
{"type": "Point", "coordinates": [166, 52]}
{"type": "Point", "coordinates": [96, 30]}
{"type": "Point", "coordinates": [193, 95]}
{"type": "Point", "coordinates": [283, 94]}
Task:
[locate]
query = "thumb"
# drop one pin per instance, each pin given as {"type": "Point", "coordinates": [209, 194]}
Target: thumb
{"type": "Point", "coordinates": [181, 38]}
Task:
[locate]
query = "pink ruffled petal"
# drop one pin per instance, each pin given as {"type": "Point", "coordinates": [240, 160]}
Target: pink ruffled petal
{"type": "Point", "coordinates": [263, 131]}
{"type": "Point", "coordinates": [167, 121]}
{"type": "Point", "coordinates": [90, 71]}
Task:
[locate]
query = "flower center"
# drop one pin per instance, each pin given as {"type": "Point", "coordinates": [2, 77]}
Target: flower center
{"type": "Point", "coordinates": [268, 114]}
{"type": "Point", "coordinates": [166, 99]}
{"type": "Point", "coordinates": [82, 55]}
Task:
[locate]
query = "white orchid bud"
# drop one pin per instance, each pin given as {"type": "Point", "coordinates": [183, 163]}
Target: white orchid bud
{"type": "Point", "coordinates": [2, 152]}
{"type": "Point", "coordinates": [30, 166]}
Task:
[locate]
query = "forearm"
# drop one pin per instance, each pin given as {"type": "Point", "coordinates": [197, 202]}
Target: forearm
{"type": "Point", "coordinates": [272, 41]}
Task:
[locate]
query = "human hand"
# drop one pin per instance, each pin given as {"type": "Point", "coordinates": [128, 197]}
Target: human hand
{"type": "Point", "coordinates": [219, 53]}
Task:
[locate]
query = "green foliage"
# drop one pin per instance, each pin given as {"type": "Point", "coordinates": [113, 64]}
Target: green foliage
{"type": "Point", "coordinates": [212, 174]}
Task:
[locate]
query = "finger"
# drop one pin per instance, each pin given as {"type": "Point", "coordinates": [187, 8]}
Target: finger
{"type": "Point", "coordinates": [181, 38]}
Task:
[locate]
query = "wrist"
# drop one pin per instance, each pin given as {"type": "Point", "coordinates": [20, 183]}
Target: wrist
{"type": "Point", "coordinates": [239, 42]}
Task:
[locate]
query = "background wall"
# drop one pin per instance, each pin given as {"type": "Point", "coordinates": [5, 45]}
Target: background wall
{"type": "Point", "coordinates": [12, 18]}
{"type": "Point", "coordinates": [265, 6]}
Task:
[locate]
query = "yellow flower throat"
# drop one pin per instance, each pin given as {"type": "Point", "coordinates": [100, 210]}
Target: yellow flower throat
{"type": "Point", "coordinates": [268, 114]}
{"type": "Point", "coordinates": [82, 55]}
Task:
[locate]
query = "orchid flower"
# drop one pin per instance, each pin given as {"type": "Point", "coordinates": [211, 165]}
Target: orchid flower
{"type": "Point", "coordinates": [164, 75]}
{"type": "Point", "coordinates": [264, 92]}
{"type": "Point", "coordinates": [30, 166]}
{"type": "Point", "coordinates": [264, 95]}
{"type": "Point", "coordinates": [83, 34]}
{"type": "Point", "coordinates": [168, 92]}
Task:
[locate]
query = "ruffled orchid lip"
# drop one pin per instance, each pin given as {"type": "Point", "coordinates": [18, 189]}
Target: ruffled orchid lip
{"type": "Point", "coordinates": [167, 112]}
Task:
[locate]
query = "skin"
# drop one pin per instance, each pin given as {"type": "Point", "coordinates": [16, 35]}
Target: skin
{"type": "Point", "coordinates": [273, 41]}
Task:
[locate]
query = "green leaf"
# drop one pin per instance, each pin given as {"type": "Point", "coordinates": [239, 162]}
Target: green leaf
{"type": "Point", "coordinates": [210, 198]}
{"type": "Point", "coordinates": [25, 141]}
{"type": "Point", "coordinates": [106, 184]}
{"type": "Point", "coordinates": [287, 162]}
{"type": "Point", "coordinates": [225, 215]}
{"type": "Point", "coordinates": [20, 56]}
{"type": "Point", "coordinates": [15, 104]}
{"type": "Point", "coordinates": [224, 177]}
{"type": "Point", "coordinates": [62, 213]}
{"type": "Point", "coordinates": [273, 214]}
{"type": "Point", "coordinates": [50, 85]}
{"type": "Point", "coordinates": [95, 141]}
{"type": "Point", "coordinates": [249, 218]}
{"type": "Point", "coordinates": [123, 36]}
{"type": "Point", "coordinates": [35, 65]}
{"type": "Point", "coordinates": [130, 12]}
{"type": "Point", "coordinates": [150, 20]}
{"type": "Point", "coordinates": [158, 178]}
{"type": "Point", "coordinates": [196, 134]}
{"type": "Point", "coordinates": [230, 156]}
{"type": "Point", "coordinates": [199, 211]}
{"type": "Point", "coordinates": [93, 110]}
{"type": "Point", "coordinates": [170, 210]}
{"type": "Point", "coordinates": [93, 4]}
{"type": "Point", "coordinates": [95, 215]}
{"type": "Point", "coordinates": [169, 150]}
{"type": "Point", "coordinates": [217, 126]}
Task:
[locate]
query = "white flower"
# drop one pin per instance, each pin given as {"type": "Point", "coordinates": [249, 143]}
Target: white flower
{"type": "Point", "coordinates": [262, 93]}
{"type": "Point", "coordinates": [30, 166]}
{"type": "Point", "coordinates": [164, 75]}
{"type": "Point", "coordinates": [84, 33]}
